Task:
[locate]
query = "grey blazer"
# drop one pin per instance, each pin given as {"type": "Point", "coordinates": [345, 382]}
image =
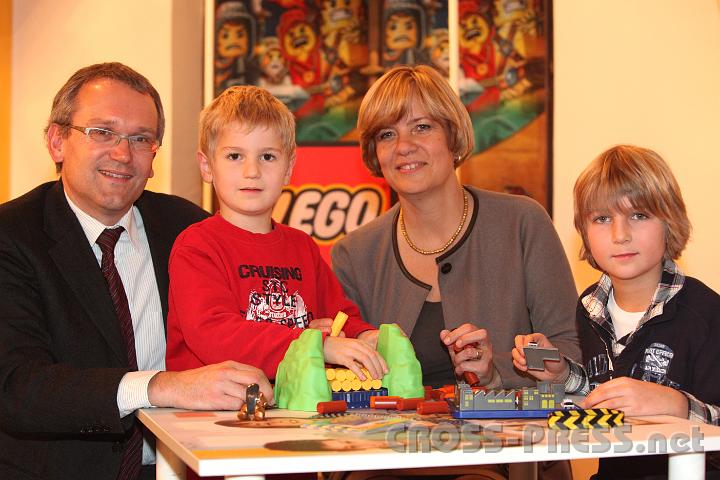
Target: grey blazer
{"type": "Point", "coordinates": [507, 274]}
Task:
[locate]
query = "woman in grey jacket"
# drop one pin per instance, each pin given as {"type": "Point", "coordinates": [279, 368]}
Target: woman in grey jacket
{"type": "Point", "coordinates": [461, 270]}
{"type": "Point", "coordinates": [454, 266]}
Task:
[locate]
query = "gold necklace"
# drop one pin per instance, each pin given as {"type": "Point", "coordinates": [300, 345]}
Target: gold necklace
{"type": "Point", "coordinates": [448, 243]}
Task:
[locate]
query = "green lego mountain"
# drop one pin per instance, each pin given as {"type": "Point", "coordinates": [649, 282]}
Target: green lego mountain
{"type": "Point", "coordinates": [404, 378]}
{"type": "Point", "coordinates": [300, 382]}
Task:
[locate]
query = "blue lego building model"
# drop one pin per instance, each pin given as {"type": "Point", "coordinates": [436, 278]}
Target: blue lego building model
{"type": "Point", "coordinates": [345, 385]}
{"type": "Point", "coordinates": [359, 398]}
{"type": "Point", "coordinates": [525, 402]}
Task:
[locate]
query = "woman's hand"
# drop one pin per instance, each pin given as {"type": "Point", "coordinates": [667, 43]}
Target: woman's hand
{"type": "Point", "coordinates": [470, 350]}
{"type": "Point", "coordinates": [636, 397]}
{"type": "Point", "coordinates": [555, 371]}
{"type": "Point", "coordinates": [355, 354]}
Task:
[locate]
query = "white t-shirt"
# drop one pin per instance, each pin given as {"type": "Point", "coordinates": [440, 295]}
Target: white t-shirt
{"type": "Point", "coordinates": [624, 322]}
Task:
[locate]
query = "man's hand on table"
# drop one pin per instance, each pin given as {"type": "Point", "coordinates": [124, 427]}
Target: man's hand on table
{"type": "Point", "coordinates": [215, 387]}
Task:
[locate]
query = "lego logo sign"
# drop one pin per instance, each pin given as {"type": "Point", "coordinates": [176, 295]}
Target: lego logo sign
{"type": "Point", "coordinates": [331, 194]}
{"type": "Point", "coordinates": [328, 213]}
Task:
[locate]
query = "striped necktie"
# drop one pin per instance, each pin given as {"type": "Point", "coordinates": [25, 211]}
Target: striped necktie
{"type": "Point", "coordinates": [132, 454]}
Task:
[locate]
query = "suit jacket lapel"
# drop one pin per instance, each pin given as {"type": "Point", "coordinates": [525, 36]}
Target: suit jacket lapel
{"type": "Point", "coordinates": [76, 262]}
{"type": "Point", "coordinates": [160, 246]}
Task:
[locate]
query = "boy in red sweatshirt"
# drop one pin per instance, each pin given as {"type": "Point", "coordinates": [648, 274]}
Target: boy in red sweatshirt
{"type": "Point", "coordinates": [242, 287]}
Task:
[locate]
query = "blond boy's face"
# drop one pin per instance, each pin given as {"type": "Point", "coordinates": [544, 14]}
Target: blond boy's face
{"type": "Point", "coordinates": [248, 171]}
{"type": "Point", "coordinates": [628, 246]}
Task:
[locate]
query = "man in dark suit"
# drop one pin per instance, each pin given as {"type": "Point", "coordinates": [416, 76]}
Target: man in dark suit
{"type": "Point", "coordinates": [82, 340]}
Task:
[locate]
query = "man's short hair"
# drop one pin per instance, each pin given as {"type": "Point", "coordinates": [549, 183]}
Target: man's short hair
{"type": "Point", "coordinates": [64, 104]}
{"type": "Point", "coordinates": [628, 177]}
{"type": "Point", "coordinates": [388, 101]}
{"type": "Point", "coordinates": [251, 107]}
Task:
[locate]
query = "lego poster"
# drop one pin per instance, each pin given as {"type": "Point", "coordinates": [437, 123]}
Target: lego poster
{"type": "Point", "coordinates": [313, 55]}
{"type": "Point", "coordinates": [320, 56]}
{"type": "Point", "coordinates": [504, 80]}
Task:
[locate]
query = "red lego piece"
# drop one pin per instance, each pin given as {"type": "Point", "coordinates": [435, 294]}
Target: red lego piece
{"type": "Point", "coordinates": [335, 406]}
{"type": "Point", "coordinates": [384, 402]}
{"type": "Point", "coordinates": [409, 403]}
{"type": "Point", "coordinates": [426, 408]}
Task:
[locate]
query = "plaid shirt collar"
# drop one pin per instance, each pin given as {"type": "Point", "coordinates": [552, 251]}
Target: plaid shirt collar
{"type": "Point", "coordinates": [671, 281]}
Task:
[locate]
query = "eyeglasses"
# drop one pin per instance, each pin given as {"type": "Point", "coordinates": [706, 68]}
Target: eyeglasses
{"type": "Point", "coordinates": [140, 144]}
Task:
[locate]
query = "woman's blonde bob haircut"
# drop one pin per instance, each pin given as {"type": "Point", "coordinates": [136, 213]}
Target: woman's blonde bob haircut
{"type": "Point", "coordinates": [251, 107]}
{"type": "Point", "coordinates": [388, 101]}
{"type": "Point", "coordinates": [626, 178]}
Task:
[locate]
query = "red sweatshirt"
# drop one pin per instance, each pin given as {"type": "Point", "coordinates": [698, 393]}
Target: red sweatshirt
{"type": "Point", "coordinates": [237, 295]}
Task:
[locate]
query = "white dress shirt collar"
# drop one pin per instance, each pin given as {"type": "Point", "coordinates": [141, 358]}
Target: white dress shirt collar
{"type": "Point", "coordinates": [93, 228]}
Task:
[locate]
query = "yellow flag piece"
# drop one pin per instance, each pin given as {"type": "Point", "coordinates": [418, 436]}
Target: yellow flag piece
{"type": "Point", "coordinates": [589, 418]}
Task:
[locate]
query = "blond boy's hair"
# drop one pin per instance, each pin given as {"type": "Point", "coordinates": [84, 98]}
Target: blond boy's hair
{"type": "Point", "coordinates": [388, 100]}
{"type": "Point", "coordinates": [251, 107]}
{"type": "Point", "coordinates": [627, 177]}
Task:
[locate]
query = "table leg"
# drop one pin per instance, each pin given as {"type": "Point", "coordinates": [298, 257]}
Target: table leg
{"type": "Point", "coordinates": [523, 471]}
{"type": "Point", "coordinates": [686, 466]}
{"type": "Point", "coordinates": [169, 466]}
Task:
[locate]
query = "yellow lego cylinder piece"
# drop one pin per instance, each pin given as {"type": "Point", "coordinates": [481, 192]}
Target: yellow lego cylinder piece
{"type": "Point", "coordinates": [347, 385]}
{"type": "Point", "coordinates": [338, 324]}
{"type": "Point", "coordinates": [336, 385]}
{"type": "Point", "coordinates": [330, 374]}
{"type": "Point", "coordinates": [341, 374]}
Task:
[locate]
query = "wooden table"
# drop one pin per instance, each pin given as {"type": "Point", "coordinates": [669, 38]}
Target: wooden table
{"type": "Point", "coordinates": [197, 440]}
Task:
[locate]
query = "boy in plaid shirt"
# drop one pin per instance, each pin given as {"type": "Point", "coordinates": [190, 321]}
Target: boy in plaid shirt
{"type": "Point", "coordinates": [649, 334]}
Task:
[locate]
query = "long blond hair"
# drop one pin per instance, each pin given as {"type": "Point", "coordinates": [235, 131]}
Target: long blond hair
{"type": "Point", "coordinates": [630, 176]}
